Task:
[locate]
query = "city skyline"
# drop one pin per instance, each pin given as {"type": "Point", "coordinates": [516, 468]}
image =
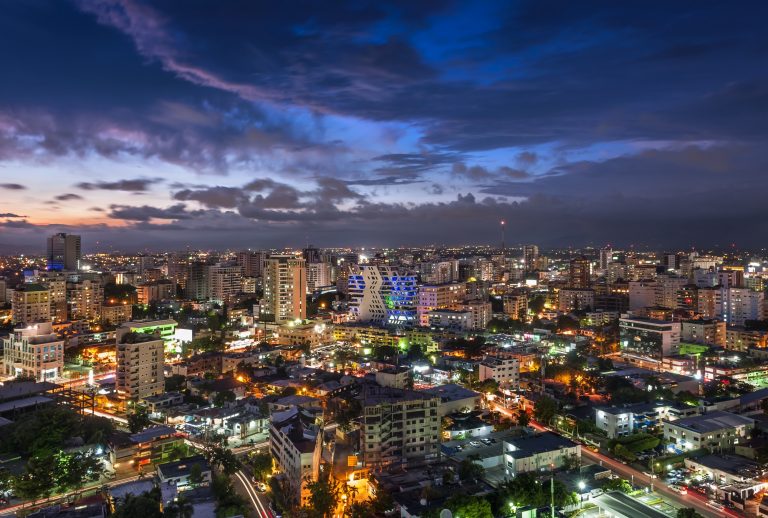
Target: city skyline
{"type": "Point", "coordinates": [157, 127]}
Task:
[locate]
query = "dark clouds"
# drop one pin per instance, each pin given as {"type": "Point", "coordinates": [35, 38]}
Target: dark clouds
{"type": "Point", "coordinates": [577, 122]}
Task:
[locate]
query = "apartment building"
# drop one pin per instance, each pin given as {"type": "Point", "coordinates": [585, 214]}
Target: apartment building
{"type": "Point", "coordinates": [575, 299]}
{"type": "Point", "coordinates": [140, 361]}
{"type": "Point", "coordinates": [504, 370]}
{"type": "Point", "coordinates": [285, 288]}
{"type": "Point", "coordinates": [295, 445]}
{"type": "Point", "coordinates": [438, 296]}
{"type": "Point", "coordinates": [85, 298]}
{"type": "Point", "coordinates": [30, 304]}
{"type": "Point", "coordinates": [649, 338]}
{"type": "Point", "coordinates": [708, 332]}
{"type": "Point", "coordinates": [399, 427]}
{"type": "Point", "coordinates": [34, 351]}
{"type": "Point", "coordinates": [515, 306]}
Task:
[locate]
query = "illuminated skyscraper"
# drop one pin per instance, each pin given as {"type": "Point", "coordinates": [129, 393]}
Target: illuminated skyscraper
{"type": "Point", "coordinates": [285, 287]}
{"type": "Point", "coordinates": [382, 295]}
{"type": "Point", "coordinates": [64, 252]}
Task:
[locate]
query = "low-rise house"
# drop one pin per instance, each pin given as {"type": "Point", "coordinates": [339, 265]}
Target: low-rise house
{"type": "Point", "coordinates": [716, 431]}
{"type": "Point", "coordinates": [620, 421]}
{"type": "Point", "coordinates": [182, 472]}
{"type": "Point", "coordinates": [150, 446]}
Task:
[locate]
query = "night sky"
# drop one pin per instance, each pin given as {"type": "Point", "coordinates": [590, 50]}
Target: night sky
{"type": "Point", "coordinates": [252, 124]}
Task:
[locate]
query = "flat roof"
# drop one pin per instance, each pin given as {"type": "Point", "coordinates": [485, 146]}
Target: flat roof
{"type": "Point", "coordinates": [712, 421]}
{"type": "Point", "coordinates": [540, 443]}
{"type": "Point", "coordinates": [17, 389]}
{"type": "Point", "coordinates": [152, 433]}
{"type": "Point", "coordinates": [182, 467]}
{"type": "Point", "coordinates": [24, 403]}
{"type": "Point", "coordinates": [451, 392]}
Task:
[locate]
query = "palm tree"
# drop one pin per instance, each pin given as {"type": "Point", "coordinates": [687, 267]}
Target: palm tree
{"type": "Point", "coordinates": [181, 508]}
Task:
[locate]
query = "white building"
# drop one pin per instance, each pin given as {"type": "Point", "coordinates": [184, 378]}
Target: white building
{"type": "Point", "coordinates": [318, 275]}
{"type": "Point", "coordinates": [295, 445]}
{"type": "Point", "coordinates": [642, 294]}
{"type": "Point", "coordinates": [536, 452]}
{"type": "Point", "coordinates": [716, 431]}
{"type": "Point", "coordinates": [649, 338]}
{"type": "Point", "coordinates": [619, 421]}
{"type": "Point", "coordinates": [450, 319]}
{"type": "Point", "coordinates": [438, 296]}
{"type": "Point", "coordinates": [504, 370]}
{"type": "Point", "coordinates": [224, 282]}
{"type": "Point", "coordinates": [382, 295]}
{"type": "Point", "coordinates": [740, 305]}
{"type": "Point", "coordinates": [34, 351]}
{"type": "Point", "coordinates": [481, 311]}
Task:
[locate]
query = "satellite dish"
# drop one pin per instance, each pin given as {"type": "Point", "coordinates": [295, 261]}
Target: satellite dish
{"type": "Point", "coordinates": [446, 513]}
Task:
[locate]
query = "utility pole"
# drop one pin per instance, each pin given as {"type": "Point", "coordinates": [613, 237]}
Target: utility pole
{"type": "Point", "coordinates": [552, 492]}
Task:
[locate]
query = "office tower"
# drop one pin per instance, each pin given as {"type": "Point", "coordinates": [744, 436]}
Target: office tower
{"type": "Point", "coordinates": [579, 271]}
{"type": "Point", "coordinates": [85, 298]}
{"type": "Point", "coordinates": [318, 275]}
{"type": "Point", "coordinates": [382, 295]}
{"type": "Point", "coordinates": [197, 281]}
{"type": "Point", "coordinates": [140, 361]}
{"type": "Point", "coordinates": [649, 338]}
{"type": "Point", "coordinates": [530, 257]}
{"type": "Point", "coordinates": [400, 427]}
{"type": "Point", "coordinates": [606, 258]}
{"type": "Point", "coordinates": [285, 288]}
{"type": "Point", "coordinates": [439, 272]}
{"type": "Point", "coordinates": [224, 282]}
{"type": "Point", "coordinates": [438, 296]}
{"type": "Point", "coordinates": [64, 252]}
{"type": "Point", "coordinates": [31, 303]}
{"type": "Point", "coordinates": [34, 351]}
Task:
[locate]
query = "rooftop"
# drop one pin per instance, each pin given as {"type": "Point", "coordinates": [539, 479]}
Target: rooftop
{"type": "Point", "coordinates": [713, 421]}
{"type": "Point", "coordinates": [540, 443]}
{"type": "Point", "coordinates": [182, 467]}
{"type": "Point", "coordinates": [451, 392]}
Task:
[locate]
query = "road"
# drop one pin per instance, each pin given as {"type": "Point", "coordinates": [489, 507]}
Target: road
{"type": "Point", "coordinates": [692, 499]}
{"type": "Point", "coordinates": [259, 502]}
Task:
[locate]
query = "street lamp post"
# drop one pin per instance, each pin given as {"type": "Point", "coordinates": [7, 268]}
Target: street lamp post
{"type": "Point", "coordinates": [582, 486]}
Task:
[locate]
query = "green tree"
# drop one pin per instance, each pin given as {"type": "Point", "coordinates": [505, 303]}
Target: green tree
{"type": "Point", "coordinates": [228, 502]}
{"type": "Point", "coordinates": [324, 495]}
{"type": "Point", "coordinates": [224, 397]}
{"type": "Point", "coordinates": [617, 484]}
{"type": "Point", "coordinates": [688, 512]}
{"type": "Point", "coordinates": [261, 463]}
{"type": "Point", "coordinates": [181, 508]}
{"type": "Point", "coordinates": [38, 479]}
{"type": "Point", "coordinates": [144, 505]}
{"type": "Point", "coordinates": [138, 419]}
{"type": "Point", "coordinates": [523, 419]}
{"type": "Point", "coordinates": [224, 458]}
{"type": "Point", "coordinates": [488, 386]}
{"type": "Point", "coordinates": [72, 470]}
{"type": "Point", "coordinates": [544, 409]}
{"type": "Point", "coordinates": [467, 506]}
{"type": "Point", "coordinates": [469, 469]}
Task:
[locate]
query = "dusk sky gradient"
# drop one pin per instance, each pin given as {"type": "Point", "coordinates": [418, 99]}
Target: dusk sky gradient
{"type": "Point", "coordinates": [168, 125]}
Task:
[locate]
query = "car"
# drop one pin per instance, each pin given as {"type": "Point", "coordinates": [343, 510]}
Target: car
{"type": "Point", "coordinates": [715, 505]}
{"type": "Point", "coordinates": [676, 489]}
{"type": "Point", "coordinates": [474, 443]}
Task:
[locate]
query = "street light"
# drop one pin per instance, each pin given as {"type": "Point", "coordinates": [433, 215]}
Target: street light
{"type": "Point", "coordinates": [582, 486]}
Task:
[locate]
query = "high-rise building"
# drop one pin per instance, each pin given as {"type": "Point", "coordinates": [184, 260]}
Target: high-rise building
{"type": "Point", "coordinates": [438, 296]}
{"type": "Point", "coordinates": [312, 255]}
{"type": "Point", "coordinates": [34, 351]}
{"type": "Point", "coordinates": [31, 304]}
{"type": "Point", "coordinates": [400, 427]}
{"type": "Point", "coordinates": [740, 305]}
{"type": "Point", "coordinates": [382, 295]}
{"type": "Point", "coordinates": [318, 275]}
{"type": "Point", "coordinates": [285, 288]}
{"type": "Point", "coordinates": [516, 305]}
{"type": "Point", "coordinates": [606, 257]}
{"type": "Point", "coordinates": [84, 299]}
{"type": "Point", "coordinates": [530, 257]}
{"type": "Point", "coordinates": [140, 361]}
{"type": "Point", "coordinates": [64, 252]}
{"type": "Point", "coordinates": [252, 262]}
{"type": "Point", "coordinates": [56, 282]}
{"type": "Point", "coordinates": [197, 281]}
{"type": "Point", "coordinates": [579, 272]}
{"type": "Point", "coordinates": [224, 282]}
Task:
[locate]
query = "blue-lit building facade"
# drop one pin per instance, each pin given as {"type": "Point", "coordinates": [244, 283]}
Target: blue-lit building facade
{"type": "Point", "coordinates": [383, 295]}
